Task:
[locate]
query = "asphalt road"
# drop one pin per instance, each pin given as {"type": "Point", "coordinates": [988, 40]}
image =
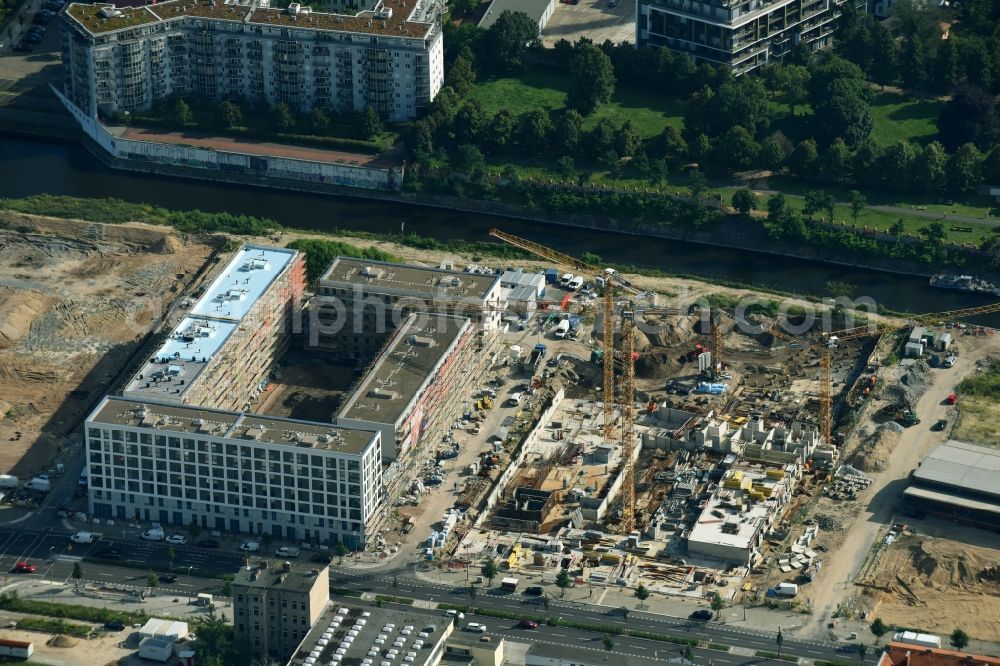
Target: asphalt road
{"type": "Point", "coordinates": [637, 620]}
{"type": "Point", "coordinates": [38, 544]}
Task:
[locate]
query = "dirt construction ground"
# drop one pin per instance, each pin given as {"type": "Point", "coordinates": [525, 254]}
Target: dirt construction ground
{"type": "Point", "coordinates": [75, 299]}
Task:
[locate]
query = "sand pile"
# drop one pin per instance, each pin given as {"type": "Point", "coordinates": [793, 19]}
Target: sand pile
{"type": "Point", "coordinates": [167, 245]}
{"type": "Point", "coordinates": [875, 449]}
{"type": "Point", "coordinates": [665, 332]}
{"type": "Point", "coordinates": [912, 385]}
{"type": "Point", "coordinates": [63, 641]}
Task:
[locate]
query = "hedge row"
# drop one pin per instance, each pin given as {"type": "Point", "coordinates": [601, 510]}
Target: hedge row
{"type": "Point", "coordinates": [54, 626]}
{"type": "Point", "coordinates": [12, 602]}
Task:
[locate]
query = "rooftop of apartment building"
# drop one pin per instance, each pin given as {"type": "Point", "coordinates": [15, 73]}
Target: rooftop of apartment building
{"type": "Point", "coordinates": [907, 654]}
{"type": "Point", "coordinates": [260, 575]}
{"type": "Point", "coordinates": [400, 18]}
{"type": "Point", "coordinates": [357, 631]}
{"type": "Point", "coordinates": [175, 366]}
{"type": "Point", "coordinates": [404, 366]}
{"type": "Point", "coordinates": [541, 653]}
{"type": "Point", "coordinates": [422, 282]}
{"type": "Point", "coordinates": [232, 425]}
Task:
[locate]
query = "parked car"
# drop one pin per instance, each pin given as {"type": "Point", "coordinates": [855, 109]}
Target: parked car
{"type": "Point", "coordinates": [527, 624]}
{"type": "Point", "coordinates": [168, 578]}
{"type": "Point", "coordinates": [534, 591]}
{"type": "Point", "coordinates": [322, 558]}
{"type": "Point", "coordinates": [290, 552]}
{"type": "Point", "coordinates": [108, 554]}
{"type": "Point", "coordinates": [25, 567]}
{"type": "Point", "coordinates": [250, 547]}
{"type": "Point", "coordinates": [455, 614]}
{"type": "Point", "coordinates": [940, 425]}
{"type": "Point", "coordinates": [207, 543]}
{"type": "Point", "coordinates": [114, 625]}
{"type": "Point", "coordinates": [701, 615]}
{"type": "Point", "coordinates": [154, 534]}
{"type": "Point", "coordinates": [177, 539]}
{"type": "Point", "coordinates": [476, 627]}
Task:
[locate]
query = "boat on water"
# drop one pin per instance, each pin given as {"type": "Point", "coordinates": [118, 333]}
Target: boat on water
{"type": "Point", "coordinates": [962, 283]}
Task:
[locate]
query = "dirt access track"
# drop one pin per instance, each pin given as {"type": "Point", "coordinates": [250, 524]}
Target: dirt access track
{"type": "Point", "coordinates": [76, 299]}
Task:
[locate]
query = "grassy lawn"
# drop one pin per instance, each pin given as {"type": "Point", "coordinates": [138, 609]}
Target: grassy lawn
{"type": "Point", "coordinates": [898, 117]}
{"type": "Point", "coordinates": [546, 89]}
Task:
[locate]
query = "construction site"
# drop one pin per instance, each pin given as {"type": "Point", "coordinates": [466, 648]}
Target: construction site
{"type": "Point", "coordinates": [78, 300]}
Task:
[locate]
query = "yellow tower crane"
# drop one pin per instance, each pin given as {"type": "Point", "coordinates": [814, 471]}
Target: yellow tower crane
{"type": "Point", "coordinates": [876, 328]}
{"type": "Point", "coordinates": [626, 397]}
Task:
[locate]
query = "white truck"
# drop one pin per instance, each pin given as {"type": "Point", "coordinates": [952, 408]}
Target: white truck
{"type": "Point", "coordinates": [786, 589]}
{"type": "Point", "coordinates": [561, 329]}
{"type": "Point", "coordinates": [8, 481]}
{"type": "Point", "coordinates": [913, 638]}
{"type": "Point", "coordinates": [39, 484]}
{"type": "Point", "coordinates": [84, 537]}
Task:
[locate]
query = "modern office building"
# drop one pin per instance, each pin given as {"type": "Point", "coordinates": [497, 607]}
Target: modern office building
{"type": "Point", "coordinates": [359, 303]}
{"type": "Point", "coordinates": [233, 472]}
{"type": "Point", "coordinates": [743, 34]}
{"type": "Point", "coordinates": [222, 352]}
{"type": "Point", "coordinates": [388, 56]}
{"type": "Point", "coordinates": [275, 607]}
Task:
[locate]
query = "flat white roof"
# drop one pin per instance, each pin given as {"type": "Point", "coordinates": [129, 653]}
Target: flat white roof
{"type": "Point", "coordinates": [962, 465]}
{"type": "Point", "coordinates": [731, 528]}
{"type": "Point", "coordinates": [245, 278]}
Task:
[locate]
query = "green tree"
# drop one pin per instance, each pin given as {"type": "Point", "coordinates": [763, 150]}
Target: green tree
{"type": "Point", "coordinates": [625, 614]}
{"type": "Point", "coordinates": [535, 131]}
{"type": "Point", "coordinates": [930, 168]}
{"type": "Point", "coordinates": [736, 149]}
{"type": "Point", "coordinates": [878, 629]}
{"type": "Point", "coordinates": [464, 8]}
{"type": "Point", "coordinates": [741, 102]}
{"type": "Point", "coordinates": [745, 200]}
{"type": "Point", "coordinates": [489, 571]}
{"type": "Point", "coordinates": [340, 550]}
{"type": "Point", "coordinates": [670, 145]}
{"type": "Point", "coordinates": [793, 82]}
{"type": "Point", "coordinates": [609, 642]}
{"type": "Point", "coordinates": [371, 124]}
{"type": "Point", "coordinates": [688, 653]}
{"type": "Point", "coordinates": [884, 68]}
{"type": "Point", "coordinates": [319, 122]}
{"type": "Point", "coordinates": [229, 115]}
{"type": "Point", "coordinates": [846, 113]}
{"type": "Point", "coordinates": [227, 587]}
{"type": "Point", "coordinates": [897, 164]}
{"type": "Point", "coordinates": [472, 596]}
{"type": "Point", "coordinates": [627, 140]}
{"type": "Point", "coordinates": [567, 167]}
{"type": "Point", "coordinates": [779, 640]}
{"type": "Point", "coordinates": [152, 580]}
{"type": "Point", "coordinates": [965, 168]}
{"type": "Point", "coordinates": [897, 228]}
{"type": "Point", "coordinates": [862, 652]}
{"type": "Point", "coordinates": [970, 116]}
{"type": "Point", "coordinates": [858, 204]}
{"type": "Point", "coordinates": [469, 160]}
{"type": "Point", "coordinates": [77, 571]}
{"type": "Point", "coordinates": [818, 201]}
{"type": "Point", "coordinates": [470, 123]}
{"type": "Point", "coordinates": [717, 605]}
{"type": "Point", "coordinates": [282, 118]}
{"type": "Point", "coordinates": [462, 73]}
{"type": "Point", "coordinates": [946, 71]}
{"type": "Point", "coordinates": [641, 592]}
{"type": "Point", "coordinates": [214, 642]}
{"type": "Point", "coordinates": [773, 152]}
{"type": "Point", "coordinates": [782, 221]}
{"type": "Point", "coordinates": [563, 581]}
{"type": "Point", "coordinates": [507, 40]}
{"type": "Point", "coordinates": [835, 163]}
{"type": "Point", "coordinates": [803, 159]}
{"type": "Point", "coordinates": [959, 639]}
{"type": "Point", "coordinates": [865, 163]}
{"type": "Point", "coordinates": [568, 132]}
{"type": "Point", "coordinates": [181, 112]}
{"type": "Point", "coordinates": [593, 79]}
{"type": "Point", "coordinates": [912, 65]}
{"type": "Point", "coordinates": [501, 130]}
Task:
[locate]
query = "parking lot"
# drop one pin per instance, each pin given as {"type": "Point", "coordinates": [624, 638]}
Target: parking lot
{"type": "Point", "coordinates": [597, 20]}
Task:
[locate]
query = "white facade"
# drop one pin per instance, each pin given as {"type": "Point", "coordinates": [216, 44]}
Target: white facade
{"type": "Point", "coordinates": [389, 58]}
{"type": "Point", "coordinates": [233, 472]}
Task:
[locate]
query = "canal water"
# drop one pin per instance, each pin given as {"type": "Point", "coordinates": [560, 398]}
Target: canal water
{"type": "Point", "coordinates": [37, 167]}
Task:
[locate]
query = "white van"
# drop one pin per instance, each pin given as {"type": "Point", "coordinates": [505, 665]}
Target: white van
{"type": "Point", "coordinates": [566, 279]}
{"type": "Point", "coordinates": [287, 551]}
{"type": "Point", "coordinates": [515, 399]}
{"type": "Point", "coordinates": [562, 329]}
{"type": "Point", "coordinates": [153, 534]}
{"type": "Point", "coordinates": [575, 283]}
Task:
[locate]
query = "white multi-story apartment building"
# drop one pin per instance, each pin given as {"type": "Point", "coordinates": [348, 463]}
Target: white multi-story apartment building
{"type": "Point", "coordinates": [389, 56]}
{"type": "Point", "coordinates": [743, 34]}
{"type": "Point", "coordinates": [234, 472]}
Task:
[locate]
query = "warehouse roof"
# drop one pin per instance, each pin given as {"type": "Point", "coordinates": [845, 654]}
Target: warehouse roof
{"type": "Point", "coordinates": [949, 498]}
{"type": "Point", "coordinates": [963, 465]}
